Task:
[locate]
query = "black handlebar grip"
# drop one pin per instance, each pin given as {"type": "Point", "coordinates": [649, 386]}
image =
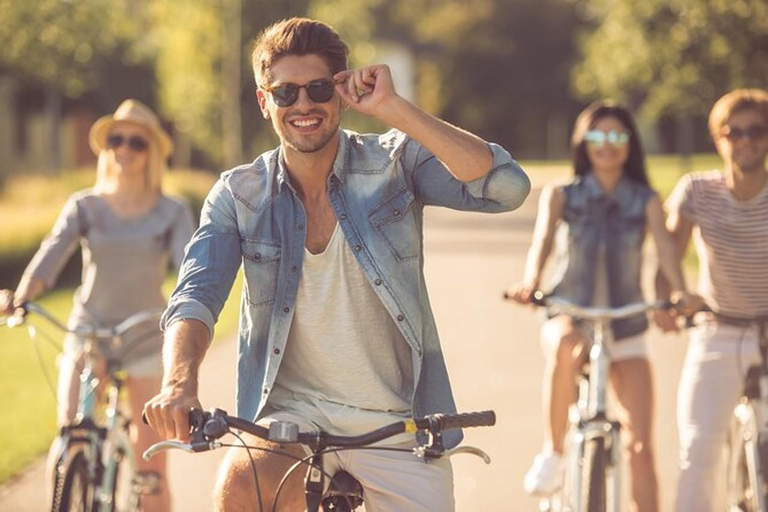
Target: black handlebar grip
{"type": "Point", "coordinates": [466, 420]}
{"type": "Point", "coordinates": [539, 298]}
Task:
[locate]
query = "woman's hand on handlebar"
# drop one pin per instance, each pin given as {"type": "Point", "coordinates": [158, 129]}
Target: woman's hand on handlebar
{"type": "Point", "coordinates": [521, 292]}
{"type": "Point", "coordinates": [6, 302]}
{"type": "Point", "coordinates": [168, 412]}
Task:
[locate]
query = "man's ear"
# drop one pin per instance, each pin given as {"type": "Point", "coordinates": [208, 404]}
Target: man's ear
{"type": "Point", "coordinates": [262, 99]}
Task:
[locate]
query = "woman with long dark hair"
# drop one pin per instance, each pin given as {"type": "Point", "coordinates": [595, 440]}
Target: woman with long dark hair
{"type": "Point", "coordinates": [600, 221]}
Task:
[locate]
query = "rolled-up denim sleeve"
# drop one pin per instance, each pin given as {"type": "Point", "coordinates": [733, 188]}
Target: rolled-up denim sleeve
{"type": "Point", "coordinates": [210, 265]}
{"type": "Point", "coordinates": [502, 189]}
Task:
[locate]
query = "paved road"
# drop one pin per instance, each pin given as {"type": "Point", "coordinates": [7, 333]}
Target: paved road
{"type": "Point", "coordinates": [493, 358]}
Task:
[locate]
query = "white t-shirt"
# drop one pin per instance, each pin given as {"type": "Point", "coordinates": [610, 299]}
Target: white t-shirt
{"type": "Point", "coordinates": [344, 351]}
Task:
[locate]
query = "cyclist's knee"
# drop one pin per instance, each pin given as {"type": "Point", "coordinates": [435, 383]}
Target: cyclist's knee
{"type": "Point", "coordinates": [235, 489]}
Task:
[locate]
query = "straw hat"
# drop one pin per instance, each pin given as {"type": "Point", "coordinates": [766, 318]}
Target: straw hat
{"type": "Point", "coordinates": [131, 111]}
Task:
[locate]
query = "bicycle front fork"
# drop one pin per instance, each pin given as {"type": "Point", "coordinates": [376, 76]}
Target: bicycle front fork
{"type": "Point", "coordinates": [583, 433]}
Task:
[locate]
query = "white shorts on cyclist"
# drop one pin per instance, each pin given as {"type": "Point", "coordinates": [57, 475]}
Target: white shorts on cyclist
{"type": "Point", "coordinates": [632, 347]}
{"type": "Point", "coordinates": [391, 480]}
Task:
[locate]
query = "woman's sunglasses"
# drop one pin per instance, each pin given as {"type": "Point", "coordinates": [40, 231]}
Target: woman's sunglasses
{"type": "Point", "coordinates": [319, 91]}
{"type": "Point", "coordinates": [134, 143]}
{"type": "Point", "coordinates": [598, 138]}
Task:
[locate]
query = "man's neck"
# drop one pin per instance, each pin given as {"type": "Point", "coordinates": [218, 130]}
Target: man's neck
{"type": "Point", "coordinates": [309, 171]}
{"type": "Point", "coordinates": [745, 184]}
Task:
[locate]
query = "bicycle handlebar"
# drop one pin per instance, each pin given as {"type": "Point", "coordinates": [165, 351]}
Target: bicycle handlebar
{"type": "Point", "coordinates": [208, 427]}
{"type": "Point", "coordinates": [598, 313]}
{"type": "Point", "coordinates": [19, 318]}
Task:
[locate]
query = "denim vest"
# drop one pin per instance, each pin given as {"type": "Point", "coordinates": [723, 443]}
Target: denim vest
{"type": "Point", "coordinates": [591, 219]}
{"type": "Point", "coordinates": [378, 188]}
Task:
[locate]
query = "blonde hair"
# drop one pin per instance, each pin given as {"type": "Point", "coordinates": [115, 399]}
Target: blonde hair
{"type": "Point", "coordinates": [738, 99]}
{"type": "Point", "coordinates": [156, 167]}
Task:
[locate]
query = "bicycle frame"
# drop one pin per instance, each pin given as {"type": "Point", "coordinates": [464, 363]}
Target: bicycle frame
{"type": "Point", "coordinates": [589, 419]}
{"type": "Point", "coordinates": [590, 422]}
{"type": "Point", "coordinates": [749, 446]}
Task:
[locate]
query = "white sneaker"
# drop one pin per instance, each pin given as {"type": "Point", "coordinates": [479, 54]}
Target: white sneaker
{"type": "Point", "coordinates": [545, 476]}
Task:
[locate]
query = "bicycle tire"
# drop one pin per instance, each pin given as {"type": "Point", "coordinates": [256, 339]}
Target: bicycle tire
{"type": "Point", "coordinates": [594, 467]}
{"type": "Point", "coordinates": [73, 490]}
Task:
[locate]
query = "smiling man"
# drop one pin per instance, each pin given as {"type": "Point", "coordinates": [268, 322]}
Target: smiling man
{"type": "Point", "coordinates": [336, 330]}
{"type": "Point", "coordinates": [729, 211]}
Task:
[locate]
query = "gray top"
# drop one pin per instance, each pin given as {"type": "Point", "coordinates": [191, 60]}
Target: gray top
{"type": "Point", "coordinates": [124, 260]}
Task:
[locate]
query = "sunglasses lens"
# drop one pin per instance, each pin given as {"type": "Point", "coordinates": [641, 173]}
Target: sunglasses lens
{"type": "Point", "coordinates": [285, 95]}
{"type": "Point", "coordinates": [114, 141]}
{"type": "Point", "coordinates": [138, 144]}
{"type": "Point", "coordinates": [320, 91]}
{"type": "Point", "coordinates": [595, 138]}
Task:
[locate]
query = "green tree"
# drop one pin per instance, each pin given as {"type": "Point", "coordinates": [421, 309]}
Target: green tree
{"type": "Point", "coordinates": [672, 57]}
{"type": "Point", "coordinates": [497, 67]}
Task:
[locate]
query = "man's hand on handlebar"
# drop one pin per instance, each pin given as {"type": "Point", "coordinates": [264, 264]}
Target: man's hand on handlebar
{"type": "Point", "coordinates": [168, 412]}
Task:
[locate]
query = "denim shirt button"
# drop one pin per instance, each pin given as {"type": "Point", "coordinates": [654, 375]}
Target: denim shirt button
{"type": "Point", "coordinates": [400, 318]}
{"type": "Point", "coordinates": [300, 227]}
{"type": "Point", "coordinates": [257, 256]}
{"type": "Point", "coordinates": [343, 216]}
{"type": "Point", "coordinates": [377, 282]}
{"type": "Point", "coordinates": [266, 391]}
{"type": "Point", "coordinates": [286, 309]}
{"type": "Point", "coordinates": [396, 213]}
{"type": "Point", "coordinates": [294, 268]}
{"type": "Point", "coordinates": [358, 248]}
{"type": "Point", "coordinates": [277, 351]}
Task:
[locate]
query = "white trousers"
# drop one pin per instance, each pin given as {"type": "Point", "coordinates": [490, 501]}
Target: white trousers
{"type": "Point", "coordinates": [711, 383]}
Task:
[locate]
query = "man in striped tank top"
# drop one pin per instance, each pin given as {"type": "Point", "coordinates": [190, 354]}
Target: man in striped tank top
{"type": "Point", "coordinates": [727, 214]}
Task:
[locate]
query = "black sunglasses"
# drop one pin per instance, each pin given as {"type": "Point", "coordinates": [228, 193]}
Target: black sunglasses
{"type": "Point", "coordinates": [135, 143]}
{"type": "Point", "coordinates": [754, 132]}
{"type": "Point", "coordinates": [319, 91]}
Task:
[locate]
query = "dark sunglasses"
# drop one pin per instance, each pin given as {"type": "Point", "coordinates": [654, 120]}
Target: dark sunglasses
{"type": "Point", "coordinates": [319, 91]}
{"type": "Point", "coordinates": [754, 132]}
{"type": "Point", "coordinates": [135, 143]}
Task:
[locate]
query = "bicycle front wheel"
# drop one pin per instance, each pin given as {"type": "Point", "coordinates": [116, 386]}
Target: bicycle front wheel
{"type": "Point", "coordinates": [73, 489]}
{"type": "Point", "coordinates": [593, 480]}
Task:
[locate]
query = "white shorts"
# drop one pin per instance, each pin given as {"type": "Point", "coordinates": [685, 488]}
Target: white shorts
{"type": "Point", "coordinates": [626, 348]}
{"type": "Point", "coordinates": [391, 480]}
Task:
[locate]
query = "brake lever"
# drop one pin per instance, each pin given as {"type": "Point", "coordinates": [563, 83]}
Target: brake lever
{"type": "Point", "coordinates": [471, 450]}
{"type": "Point", "coordinates": [178, 445]}
{"type": "Point", "coordinates": [423, 453]}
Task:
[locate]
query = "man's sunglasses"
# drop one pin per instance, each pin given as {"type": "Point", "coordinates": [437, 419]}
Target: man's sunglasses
{"type": "Point", "coordinates": [598, 138]}
{"type": "Point", "coordinates": [135, 143]}
{"type": "Point", "coordinates": [319, 91]}
{"type": "Point", "coordinates": [754, 132]}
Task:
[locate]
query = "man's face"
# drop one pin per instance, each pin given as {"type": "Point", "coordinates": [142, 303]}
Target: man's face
{"type": "Point", "coordinates": [305, 126]}
{"type": "Point", "coordinates": [743, 140]}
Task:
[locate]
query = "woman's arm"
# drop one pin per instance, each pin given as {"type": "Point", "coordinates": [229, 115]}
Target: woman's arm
{"type": "Point", "coordinates": [550, 213]}
{"type": "Point", "coordinates": [666, 247]}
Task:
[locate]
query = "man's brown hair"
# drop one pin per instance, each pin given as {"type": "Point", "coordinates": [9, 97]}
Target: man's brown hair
{"type": "Point", "coordinates": [297, 36]}
{"type": "Point", "coordinates": [734, 101]}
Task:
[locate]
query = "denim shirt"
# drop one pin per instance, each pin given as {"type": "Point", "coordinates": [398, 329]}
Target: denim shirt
{"type": "Point", "coordinates": [592, 219]}
{"type": "Point", "coordinates": [378, 188]}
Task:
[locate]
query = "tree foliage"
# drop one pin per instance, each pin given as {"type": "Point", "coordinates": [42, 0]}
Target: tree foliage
{"type": "Point", "coordinates": [64, 43]}
{"type": "Point", "coordinates": [672, 57]}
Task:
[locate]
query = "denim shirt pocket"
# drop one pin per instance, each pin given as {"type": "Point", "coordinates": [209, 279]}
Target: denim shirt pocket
{"type": "Point", "coordinates": [261, 263]}
{"type": "Point", "coordinates": [395, 221]}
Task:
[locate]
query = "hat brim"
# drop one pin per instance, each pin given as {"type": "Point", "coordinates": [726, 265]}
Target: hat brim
{"type": "Point", "coordinates": [97, 137]}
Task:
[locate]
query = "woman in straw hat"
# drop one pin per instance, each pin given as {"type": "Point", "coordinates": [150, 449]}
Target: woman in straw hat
{"type": "Point", "coordinates": [127, 230]}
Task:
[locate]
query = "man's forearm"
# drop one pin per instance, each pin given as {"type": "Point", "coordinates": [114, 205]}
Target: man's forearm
{"type": "Point", "coordinates": [184, 348]}
{"type": "Point", "coordinates": [466, 155]}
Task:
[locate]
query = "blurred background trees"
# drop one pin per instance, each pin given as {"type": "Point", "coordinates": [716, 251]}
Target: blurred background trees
{"type": "Point", "coordinates": [514, 71]}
